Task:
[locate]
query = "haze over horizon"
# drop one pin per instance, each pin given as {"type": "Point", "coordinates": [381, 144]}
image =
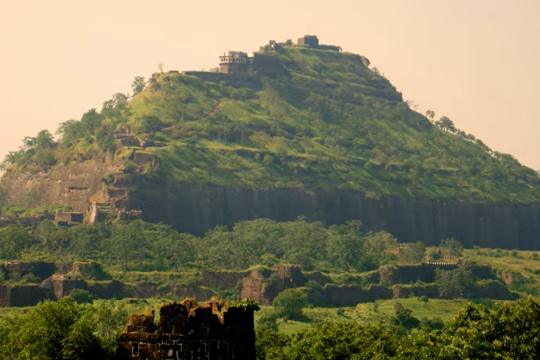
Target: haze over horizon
{"type": "Point", "coordinates": [474, 62]}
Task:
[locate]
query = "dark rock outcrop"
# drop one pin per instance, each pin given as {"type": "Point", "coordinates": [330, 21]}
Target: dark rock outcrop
{"type": "Point", "coordinates": [195, 209]}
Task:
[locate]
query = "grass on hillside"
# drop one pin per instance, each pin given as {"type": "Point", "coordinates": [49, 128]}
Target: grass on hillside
{"type": "Point", "coordinates": [521, 267]}
{"type": "Point", "coordinates": [378, 311]}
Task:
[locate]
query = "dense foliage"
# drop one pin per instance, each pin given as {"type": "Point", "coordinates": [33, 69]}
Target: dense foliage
{"type": "Point", "coordinates": [507, 331]}
{"type": "Point", "coordinates": [60, 330]}
{"type": "Point", "coordinates": [67, 330]}
{"type": "Point", "coordinates": [144, 246]}
{"type": "Point", "coordinates": [322, 119]}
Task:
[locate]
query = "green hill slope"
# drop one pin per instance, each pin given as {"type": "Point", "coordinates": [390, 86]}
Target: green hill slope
{"type": "Point", "coordinates": [316, 119]}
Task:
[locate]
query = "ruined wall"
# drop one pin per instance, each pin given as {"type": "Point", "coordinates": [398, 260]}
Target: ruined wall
{"type": "Point", "coordinates": [349, 295]}
{"type": "Point", "coordinates": [13, 270]}
{"type": "Point", "coordinates": [221, 279]}
{"type": "Point", "coordinates": [190, 331]}
{"type": "Point", "coordinates": [427, 272]}
{"type": "Point", "coordinates": [23, 295]}
{"type": "Point", "coordinates": [263, 285]}
{"type": "Point", "coordinates": [196, 209]}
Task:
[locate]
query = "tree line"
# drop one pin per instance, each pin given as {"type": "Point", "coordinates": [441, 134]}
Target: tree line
{"type": "Point", "coordinates": [138, 245]}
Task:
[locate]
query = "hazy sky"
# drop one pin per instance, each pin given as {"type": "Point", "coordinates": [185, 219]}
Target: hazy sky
{"type": "Point", "coordinates": [476, 61]}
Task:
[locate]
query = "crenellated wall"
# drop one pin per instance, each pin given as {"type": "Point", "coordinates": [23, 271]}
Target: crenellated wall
{"type": "Point", "coordinates": [191, 331]}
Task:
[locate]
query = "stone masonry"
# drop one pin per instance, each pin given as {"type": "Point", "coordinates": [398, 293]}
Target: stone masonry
{"type": "Point", "coordinates": [190, 331]}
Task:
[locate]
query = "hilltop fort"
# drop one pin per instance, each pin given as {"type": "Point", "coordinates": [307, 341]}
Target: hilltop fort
{"type": "Point", "coordinates": [295, 129]}
{"type": "Point", "coordinates": [239, 62]}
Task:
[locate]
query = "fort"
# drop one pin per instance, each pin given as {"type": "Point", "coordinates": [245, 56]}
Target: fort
{"type": "Point", "coordinates": [238, 62]}
{"type": "Point", "coordinates": [190, 331]}
{"type": "Point", "coordinates": [28, 283]}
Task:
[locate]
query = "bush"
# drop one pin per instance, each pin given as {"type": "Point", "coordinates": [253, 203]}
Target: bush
{"type": "Point", "coordinates": [452, 246]}
{"type": "Point", "coordinates": [81, 296]}
{"type": "Point", "coordinates": [403, 317]}
{"type": "Point", "coordinates": [289, 304]}
{"type": "Point", "coordinates": [51, 330]}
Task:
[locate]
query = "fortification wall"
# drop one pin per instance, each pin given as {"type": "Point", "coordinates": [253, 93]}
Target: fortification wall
{"type": "Point", "coordinates": [12, 270]}
{"type": "Point", "coordinates": [264, 285]}
{"type": "Point", "coordinates": [23, 295]}
{"type": "Point", "coordinates": [191, 331]}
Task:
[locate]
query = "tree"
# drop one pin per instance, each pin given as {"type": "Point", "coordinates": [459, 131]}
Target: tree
{"type": "Point", "coordinates": [403, 317]}
{"type": "Point", "coordinates": [507, 331]}
{"type": "Point", "coordinates": [13, 240]}
{"type": "Point", "coordinates": [138, 84]}
{"type": "Point", "coordinates": [342, 340]}
{"type": "Point", "coordinates": [446, 124]}
{"type": "Point", "coordinates": [128, 242]}
{"type": "Point", "coordinates": [105, 138]}
{"type": "Point", "coordinates": [454, 283]}
{"type": "Point", "coordinates": [81, 296]}
{"type": "Point", "coordinates": [344, 247]}
{"type": "Point", "coordinates": [377, 249]}
{"type": "Point", "coordinates": [43, 140]}
{"type": "Point", "coordinates": [452, 246]}
{"type": "Point", "coordinates": [412, 253]}
{"type": "Point", "coordinates": [116, 107]}
{"type": "Point", "coordinates": [430, 114]}
{"type": "Point", "coordinates": [52, 238]}
{"type": "Point", "coordinates": [81, 343]}
{"type": "Point", "coordinates": [290, 303]}
{"type": "Point", "coordinates": [52, 330]}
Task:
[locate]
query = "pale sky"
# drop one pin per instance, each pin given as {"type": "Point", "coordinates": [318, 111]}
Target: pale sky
{"type": "Point", "coordinates": [475, 61]}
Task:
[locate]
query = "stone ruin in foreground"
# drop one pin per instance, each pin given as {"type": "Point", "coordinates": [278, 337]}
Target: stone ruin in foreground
{"type": "Point", "coordinates": [189, 331]}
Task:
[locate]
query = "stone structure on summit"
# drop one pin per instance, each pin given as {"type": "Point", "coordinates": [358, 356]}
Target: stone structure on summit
{"type": "Point", "coordinates": [145, 178]}
{"type": "Point", "coordinates": [188, 330]}
{"type": "Point", "coordinates": [239, 62]}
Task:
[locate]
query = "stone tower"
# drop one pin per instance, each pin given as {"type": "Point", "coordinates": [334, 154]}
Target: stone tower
{"type": "Point", "coordinates": [191, 331]}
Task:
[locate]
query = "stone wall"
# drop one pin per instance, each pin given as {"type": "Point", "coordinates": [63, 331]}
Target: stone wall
{"type": "Point", "coordinates": [13, 270]}
{"type": "Point", "coordinates": [23, 295]}
{"type": "Point", "coordinates": [349, 295]}
{"type": "Point", "coordinates": [221, 279]}
{"type": "Point", "coordinates": [190, 331]}
{"type": "Point", "coordinates": [427, 272]}
{"type": "Point", "coordinates": [263, 285]}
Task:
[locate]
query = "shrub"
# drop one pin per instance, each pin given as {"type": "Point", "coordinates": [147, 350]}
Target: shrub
{"type": "Point", "coordinates": [290, 303]}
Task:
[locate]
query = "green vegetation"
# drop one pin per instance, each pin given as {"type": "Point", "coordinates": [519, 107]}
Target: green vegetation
{"type": "Point", "coordinates": [67, 330]}
{"type": "Point", "coordinates": [323, 120]}
{"type": "Point", "coordinates": [505, 331]}
{"type": "Point", "coordinates": [15, 211]}
{"type": "Point", "coordinates": [521, 269]}
{"type": "Point", "coordinates": [432, 311]}
{"type": "Point", "coordinates": [454, 283]}
{"type": "Point", "coordinates": [290, 303]}
{"type": "Point", "coordinates": [404, 329]}
{"type": "Point", "coordinates": [59, 331]}
{"type": "Point", "coordinates": [155, 247]}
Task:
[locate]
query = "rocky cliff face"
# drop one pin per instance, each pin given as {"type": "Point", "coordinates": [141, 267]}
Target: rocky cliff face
{"type": "Point", "coordinates": [196, 209]}
{"type": "Point", "coordinates": [73, 185]}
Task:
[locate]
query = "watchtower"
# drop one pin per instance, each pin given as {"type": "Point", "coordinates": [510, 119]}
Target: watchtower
{"type": "Point", "coordinates": [309, 40]}
{"type": "Point", "coordinates": [234, 62]}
